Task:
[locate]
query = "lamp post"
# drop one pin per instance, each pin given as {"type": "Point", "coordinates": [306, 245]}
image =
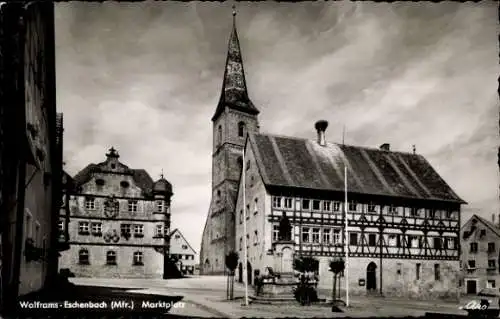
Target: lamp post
{"type": "Point", "coordinates": [245, 255]}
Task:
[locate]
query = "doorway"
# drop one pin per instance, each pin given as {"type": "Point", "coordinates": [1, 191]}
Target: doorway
{"type": "Point", "coordinates": [471, 287]}
{"type": "Point", "coordinates": [371, 277]}
{"type": "Point", "coordinates": [249, 271]}
{"type": "Point", "coordinates": [240, 273]}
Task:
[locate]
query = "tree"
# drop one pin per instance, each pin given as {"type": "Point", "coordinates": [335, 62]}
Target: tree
{"type": "Point", "coordinates": [336, 267]}
{"type": "Point", "coordinates": [231, 264]}
{"type": "Point", "coordinates": [305, 292]}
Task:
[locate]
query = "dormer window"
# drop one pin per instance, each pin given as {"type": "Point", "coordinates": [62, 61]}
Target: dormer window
{"type": "Point", "coordinates": [124, 184]}
{"type": "Point", "coordinates": [99, 182]}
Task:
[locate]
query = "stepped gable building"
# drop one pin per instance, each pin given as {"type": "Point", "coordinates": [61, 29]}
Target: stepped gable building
{"type": "Point", "coordinates": [118, 221]}
{"type": "Point", "coordinates": [234, 116]}
{"type": "Point", "coordinates": [404, 220]}
{"type": "Point", "coordinates": [480, 257]}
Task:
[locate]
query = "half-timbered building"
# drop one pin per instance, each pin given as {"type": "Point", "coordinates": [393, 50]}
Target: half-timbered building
{"type": "Point", "coordinates": [119, 222]}
{"type": "Point", "coordinates": [403, 219]}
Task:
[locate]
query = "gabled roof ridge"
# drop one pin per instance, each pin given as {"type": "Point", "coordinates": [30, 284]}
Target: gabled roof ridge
{"type": "Point", "coordinates": [487, 223]}
{"type": "Point", "coordinates": [371, 148]}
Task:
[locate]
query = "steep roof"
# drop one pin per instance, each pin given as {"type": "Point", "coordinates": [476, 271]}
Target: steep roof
{"type": "Point", "coordinates": [234, 89]}
{"type": "Point", "coordinates": [301, 163]}
{"type": "Point", "coordinates": [485, 222]}
{"type": "Point", "coordinates": [184, 238]}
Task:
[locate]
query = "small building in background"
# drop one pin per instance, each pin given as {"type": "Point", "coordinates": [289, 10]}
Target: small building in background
{"type": "Point", "coordinates": [182, 252]}
{"type": "Point", "coordinates": [118, 222]}
{"type": "Point", "coordinates": [480, 255]}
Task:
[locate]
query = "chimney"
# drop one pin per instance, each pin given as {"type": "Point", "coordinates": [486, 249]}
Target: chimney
{"type": "Point", "coordinates": [385, 147]}
{"type": "Point", "coordinates": [321, 126]}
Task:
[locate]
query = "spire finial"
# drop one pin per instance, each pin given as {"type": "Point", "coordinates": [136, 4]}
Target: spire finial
{"type": "Point", "coordinates": [234, 10]}
{"type": "Point", "coordinates": [161, 175]}
{"type": "Point", "coordinates": [414, 149]}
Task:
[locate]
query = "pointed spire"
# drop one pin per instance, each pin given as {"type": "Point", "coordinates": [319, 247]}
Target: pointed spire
{"type": "Point", "coordinates": [234, 89]}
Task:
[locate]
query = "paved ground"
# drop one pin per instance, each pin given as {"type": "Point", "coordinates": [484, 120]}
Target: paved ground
{"type": "Point", "coordinates": [204, 296]}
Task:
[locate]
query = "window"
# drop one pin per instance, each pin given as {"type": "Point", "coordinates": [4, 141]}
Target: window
{"type": "Point", "coordinates": [471, 264]}
{"type": "Point", "coordinates": [417, 271]}
{"type": "Point", "coordinates": [138, 230]}
{"type": "Point", "coordinates": [432, 213]}
{"type": "Point", "coordinates": [305, 204]}
{"type": "Point", "coordinates": [327, 235]}
{"type": "Point", "coordinates": [336, 236]}
{"type": "Point", "coordinates": [437, 242]}
{"type": "Point", "coordinates": [96, 228]}
{"type": "Point", "coordinates": [132, 205]}
{"type": "Point", "coordinates": [372, 240]}
{"type": "Point", "coordinates": [490, 284]}
{"type": "Point", "coordinates": [255, 206]}
{"type": "Point", "coordinates": [372, 208]}
{"type": "Point", "coordinates": [247, 167]}
{"type": "Point", "coordinates": [473, 248]}
{"type": "Point", "coordinates": [393, 210]}
{"type": "Point", "coordinates": [110, 258]}
{"type": "Point", "coordinates": [255, 237]}
{"type": "Point", "coordinates": [437, 272]}
{"type": "Point", "coordinates": [327, 206]}
{"type": "Point", "coordinates": [159, 231]}
{"type": "Point", "coordinates": [288, 202]}
{"type": "Point", "coordinates": [482, 233]}
{"type": "Point", "coordinates": [491, 247]}
{"type": "Point", "coordinates": [138, 258]}
{"type": "Point", "coordinates": [60, 225]}
{"type": "Point", "coordinates": [219, 135]}
{"type": "Point", "coordinates": [184, 247]}
{"type": "Point", "coordinates": [89, 203]}
{"type": "Point", "coordinates": [305, 234]}
{"type": "Point", "coordinates": [276, 202]}
{"type": "Point", "coordinates": [449, 214]}
{"type": "Point", "coordinates": [398, 241]}
{"type": "Point", "coordinates": [492, 264]}
{"type": "Point", "coordinates": [316, 205]}
{"type": "Point", "coordinates": [241, 129]}
{"type": "Point", "coordinates": [83, 257]}
{"type": "Point", "coordinates": [353, 239]}
{"type": "Point", "coordinates": [414, 212]}
{"type": "Point", "coordinates": [336, 206]}
{"type": "Point", "coordinates": [248, 211]}
{"type": "Point", "coordinates": [241, 243]}
{"type": "Point", "coordinates": [315, 235]}
{"type": "Point", "coordinates": [353, 207]}
{"type": "Point", "coordinates": [125, 229]}
{"type": "Point", "coordinates": [83, 228]}
{"type": "Point", "coordinates": [159, 206]}
{"type": "Point", "coordinates": [276, 230]}
{"type": "Point", "coordinates": [177, 236]}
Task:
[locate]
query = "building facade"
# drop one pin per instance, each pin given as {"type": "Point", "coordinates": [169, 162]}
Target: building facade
{"type": "Point", "coordinates": [182, 252]}
{"type": "Point", "coordinates": [403, 219]}
{"type": "Point", "coordinates": [235, 115]}
{"type": "Point", "coordinates": [31, 157]}
{"type": "Point", "coordinates": [119, 222]}
{"type": "Point", "coordinates": [480, 255]}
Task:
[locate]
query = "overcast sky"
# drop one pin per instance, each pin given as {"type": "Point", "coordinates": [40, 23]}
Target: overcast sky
{"type": "Point", "coordinates": [146, 77]}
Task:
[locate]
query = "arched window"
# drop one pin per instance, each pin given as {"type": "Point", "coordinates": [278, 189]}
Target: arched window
{"type": "Point", "coordinates": [111, 258]}
{"type": "Point", "coordinates": [219, 135]}
{"type": "Point", "coordinates": [83, 257]}
{"type": "Point", "coordinates": [241, 129]}
{"type": "Point", "coordinates": [138, 258]}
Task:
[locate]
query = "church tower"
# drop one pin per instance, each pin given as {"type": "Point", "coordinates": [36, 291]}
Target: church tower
{"type": "Point", "coordinates": [234, 117]}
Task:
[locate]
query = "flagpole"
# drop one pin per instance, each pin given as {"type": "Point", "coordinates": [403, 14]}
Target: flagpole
{"type": "Point", "coordinates": [346, 242]}
{"type": "Point", "coordinates": [245, 261]}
